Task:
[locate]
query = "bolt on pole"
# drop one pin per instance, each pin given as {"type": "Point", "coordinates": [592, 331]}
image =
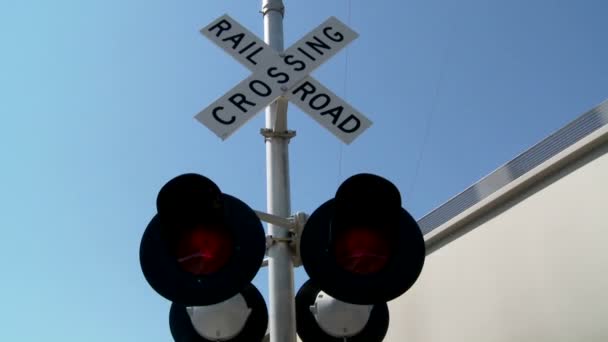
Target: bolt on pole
{"type": "Point", "coordinates": [280, 264]}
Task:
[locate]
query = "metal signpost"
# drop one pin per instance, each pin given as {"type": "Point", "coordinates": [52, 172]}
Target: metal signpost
{"type": "Point", "coordinates": [279, 76]}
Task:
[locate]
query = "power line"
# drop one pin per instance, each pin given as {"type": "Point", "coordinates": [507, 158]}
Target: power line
{"type": "Point", "coordinates": [430, 115]}
{"type": "Point", "coordinates": [340, 147]}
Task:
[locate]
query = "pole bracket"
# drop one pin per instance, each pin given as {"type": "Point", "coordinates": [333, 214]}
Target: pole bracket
{"type": "Point", "coordinates": [268, 134]}
{"type": "Point", "coordinates": [295, 224]}
{"type": "Point", "coordinates": [271, 240]}
{"type": "Point", "coordinates": [273, 6]}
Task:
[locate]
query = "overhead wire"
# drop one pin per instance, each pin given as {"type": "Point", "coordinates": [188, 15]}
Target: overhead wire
{"type": "Point", "coordinates": [344, 92]}
{"type": "Point", "coordinates": [430, 115]}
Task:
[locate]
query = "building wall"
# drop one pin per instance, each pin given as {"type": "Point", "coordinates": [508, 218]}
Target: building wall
{"type": "Point", "coordinates": [533, 268]}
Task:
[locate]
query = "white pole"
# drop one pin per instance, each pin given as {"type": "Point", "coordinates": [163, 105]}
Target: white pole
{"type": "Point", "coordinates": [280, 265]}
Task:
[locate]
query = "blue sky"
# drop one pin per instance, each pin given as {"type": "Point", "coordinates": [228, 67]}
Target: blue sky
{"type": "Point", "coordinates": [97, 105]}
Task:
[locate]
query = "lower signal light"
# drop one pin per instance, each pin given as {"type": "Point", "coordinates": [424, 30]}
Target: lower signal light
{"type": "Point", "coordinates": [322, 318]}
{"type": "Point", "coordinates": [242, 318]}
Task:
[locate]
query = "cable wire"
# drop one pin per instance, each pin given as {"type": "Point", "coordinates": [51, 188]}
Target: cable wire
{"type": "Point", "coordinates": [430, 115]}
{"type": "Point", "coordinates": [340, 145]}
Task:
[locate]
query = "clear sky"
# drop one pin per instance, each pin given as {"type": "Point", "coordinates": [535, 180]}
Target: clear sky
{"type": "Point", "coordinates": [97, 100]}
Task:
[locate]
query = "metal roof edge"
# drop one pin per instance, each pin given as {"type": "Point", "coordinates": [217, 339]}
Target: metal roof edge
{"type": "Point", "coordinates": [550, 155]}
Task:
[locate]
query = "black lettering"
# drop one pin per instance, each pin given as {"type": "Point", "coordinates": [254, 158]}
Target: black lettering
{"type": "Point", "coordinates": [223, 25]}
{"type": "Point", "coordinates": [257, 91]}
{"type": "Point", "coordinates": [306, 53]}
{"type": "Point", "coordinates": [246, 47]}
{"type": "Point", "coordinates": [317, 45]}
{"type": "Point", "coordinates": [238, 99]}
{"type": "Point", "coordinates": [306, 88]}
{"type": "Point", "coordinates": [236, 39]}
{"type": "Point", "coordinates": [222, 121]}
{"type": "Point", "coordinates": [335, 113]}
{"type": "Point", "coordinates": [324, 102]}
{"type": "Point", "coordinates": [343, 128]}
{"type": "Point", "coordinates": [250, 56]}
{"type": "Point", "coordinates": [271, 73]}
{"type": "Point", "coordinates": [289, 61]}
{"type": "Point", "coordinates": [337, 37]}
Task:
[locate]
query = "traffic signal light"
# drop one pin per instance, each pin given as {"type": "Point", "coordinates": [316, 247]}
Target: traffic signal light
{"type": "Point", "coordinates": [201, 251]}
{"type": "Point", "coordinates": [321, 318]}
{"type": "Point", "coordinates": [361, 247]}
{"type": "Point", "coordinates": [243, 318]}
{"type": "Point", "coordinates": [203, 248]}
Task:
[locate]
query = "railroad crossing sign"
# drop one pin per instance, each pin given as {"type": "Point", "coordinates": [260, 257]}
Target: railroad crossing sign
{"type": "Point", "coordinates": [281, 74]}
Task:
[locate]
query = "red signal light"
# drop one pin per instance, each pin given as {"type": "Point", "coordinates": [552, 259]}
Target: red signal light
{"type": "Point", "coordinates": [203, 250]}
{"type": "Point", "coordinates": [362, 250]}
{"type": "Point", "coordinates": [202, 247]}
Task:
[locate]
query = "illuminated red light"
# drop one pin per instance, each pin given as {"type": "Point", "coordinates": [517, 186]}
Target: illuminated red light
{"type": "Point", "coordinates": [362, 250]}
{"type": "Point", "coordinates": [203, 250]}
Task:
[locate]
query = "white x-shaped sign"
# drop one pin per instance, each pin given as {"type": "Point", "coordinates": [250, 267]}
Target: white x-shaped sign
{"type": "Point", "coordinates": [281, 74]}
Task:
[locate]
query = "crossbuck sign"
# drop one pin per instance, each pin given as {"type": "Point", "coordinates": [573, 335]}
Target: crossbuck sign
{"type": "Point", "coordinates": [281, 74]}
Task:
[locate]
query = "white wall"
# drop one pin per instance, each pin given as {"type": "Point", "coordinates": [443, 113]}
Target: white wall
{"type": "Point", "coordinates": [534, 269]}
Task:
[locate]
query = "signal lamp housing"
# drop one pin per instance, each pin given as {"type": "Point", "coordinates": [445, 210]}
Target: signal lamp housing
{"type": "Point", "coordinates": [335, 321]}
{"type": "Point", "coordinates": [224, 321]}
{"type": "Point", "coordinates": [203, 246]}
{"type": "Point", "coordinates": [362, 247]}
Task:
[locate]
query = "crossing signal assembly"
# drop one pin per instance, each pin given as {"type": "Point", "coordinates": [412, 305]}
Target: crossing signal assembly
{"type": "Point", "coordinates": [203, 248]}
